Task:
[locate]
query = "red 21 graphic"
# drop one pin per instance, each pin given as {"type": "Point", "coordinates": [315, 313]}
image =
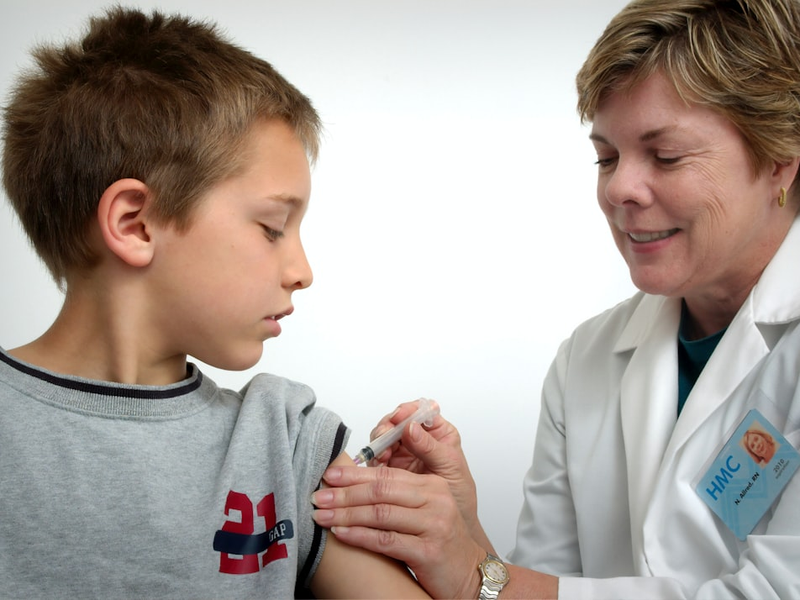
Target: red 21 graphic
{"type": "Point", "coordinates": [265, 509]}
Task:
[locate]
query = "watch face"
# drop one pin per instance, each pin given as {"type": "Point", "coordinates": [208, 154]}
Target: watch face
{"type": "Point", "coordinates": [495, 571]}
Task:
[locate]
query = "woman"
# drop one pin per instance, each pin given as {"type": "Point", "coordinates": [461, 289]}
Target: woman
{"type": "Point", "coordinates": [759, 445]}
{"type": "Point", "coordinates": [695, 111]}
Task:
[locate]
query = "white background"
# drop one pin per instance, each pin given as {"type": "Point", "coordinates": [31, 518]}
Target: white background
{"type": "Point", "coordinates": [453, 229]}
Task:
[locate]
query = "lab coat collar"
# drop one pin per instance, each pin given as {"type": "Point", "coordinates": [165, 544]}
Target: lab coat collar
{"type": "Point", "coordinates": [776, 296]}
{"type": "Point", "coordinates": [644, 319]}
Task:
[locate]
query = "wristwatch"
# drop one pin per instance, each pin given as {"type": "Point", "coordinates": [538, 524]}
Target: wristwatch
{"type": "Point", "coordinates": [494, 576]}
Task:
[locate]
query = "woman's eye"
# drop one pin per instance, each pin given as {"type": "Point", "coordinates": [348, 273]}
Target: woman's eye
{"type": "Point", "coordinates": [668, 160]}
{"type": "Point", "coordinates": [272, 234]}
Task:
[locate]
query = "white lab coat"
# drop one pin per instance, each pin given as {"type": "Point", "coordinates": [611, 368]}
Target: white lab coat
{"type": "Point", "coordinates": [610, 504]}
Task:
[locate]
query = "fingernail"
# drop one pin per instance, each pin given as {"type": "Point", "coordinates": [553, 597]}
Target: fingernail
{"type": "Point", "coordinates": [322, 515]}
{"type": "Point", "coordinates": [333, 474]}
{"type": "Point", "coordinates": [321, 497]}
{"type": "Point", "coordinates": [338, 530]}
{"type": "Point", "coordinates": [414, 431]}
{"type": "Point", "coordinates": [378, 432]}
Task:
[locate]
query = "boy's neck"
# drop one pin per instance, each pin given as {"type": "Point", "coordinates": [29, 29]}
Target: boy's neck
{"type": "Point", "coordinates": [96, 338]}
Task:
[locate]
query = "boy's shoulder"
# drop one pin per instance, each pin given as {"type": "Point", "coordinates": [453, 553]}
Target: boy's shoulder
{"type": "Point", "coordinates": [284, 399]}
{"type": "Point", "coordinates": [269, 383]}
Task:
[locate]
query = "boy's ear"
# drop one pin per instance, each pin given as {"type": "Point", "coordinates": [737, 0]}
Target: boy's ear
{"type": "Point", "coordinates": [122, 217]}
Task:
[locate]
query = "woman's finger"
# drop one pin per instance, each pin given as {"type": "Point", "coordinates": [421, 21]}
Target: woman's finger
{"type": "Point", "coordinates": [377, 491]}
{"type": "Point", "coordinates": [383, 517]}
{"type": "Point", "coordinates": [343, 476]}
{"type": "Point", "coordinates": [400, 414]}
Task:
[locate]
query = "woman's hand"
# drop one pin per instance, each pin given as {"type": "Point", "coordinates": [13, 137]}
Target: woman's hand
{"type": "Point", "coordinates": [400, 455]}
{"type": "Point", "coordinates": [408, 516]}
{"type": "Point", "coordinates": [422, 510]}
{"type": "Point", "coordinates": [434, 451]}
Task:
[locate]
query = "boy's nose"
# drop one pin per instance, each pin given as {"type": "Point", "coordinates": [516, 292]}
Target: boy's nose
{"type": "Point", "coordinates": [298, 274]}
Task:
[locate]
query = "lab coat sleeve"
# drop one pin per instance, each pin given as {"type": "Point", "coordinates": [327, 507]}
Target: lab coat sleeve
{"type": "Point", "coordinates": [547, 531]}
{"type": "Point", "coordinates": [547, 536]}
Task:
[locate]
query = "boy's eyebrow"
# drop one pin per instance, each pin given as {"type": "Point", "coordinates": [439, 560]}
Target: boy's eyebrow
{"type": "Point", "coordinates": [294, 201]}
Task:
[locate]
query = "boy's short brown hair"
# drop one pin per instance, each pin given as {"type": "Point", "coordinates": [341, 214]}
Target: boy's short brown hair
{"type": "Point", "coordinates": [163, 99]}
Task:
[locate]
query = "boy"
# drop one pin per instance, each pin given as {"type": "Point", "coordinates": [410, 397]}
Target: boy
{"type": "Point", "coordinates": [161, 174]}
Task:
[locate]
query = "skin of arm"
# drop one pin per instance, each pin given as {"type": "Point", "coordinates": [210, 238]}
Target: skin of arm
{"type": "Point", "coordinates": [347, 571]}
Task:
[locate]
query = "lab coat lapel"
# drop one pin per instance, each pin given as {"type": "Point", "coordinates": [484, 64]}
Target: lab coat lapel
{"type": "Point", "coordinates": [649, 391]}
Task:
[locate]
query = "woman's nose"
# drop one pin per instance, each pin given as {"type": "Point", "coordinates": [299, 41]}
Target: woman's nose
{"type": "Point", "coordinates": [625, 184]}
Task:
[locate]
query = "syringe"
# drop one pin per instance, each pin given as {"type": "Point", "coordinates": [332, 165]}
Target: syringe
{"type": "Point", "coordinates": [427, 410]}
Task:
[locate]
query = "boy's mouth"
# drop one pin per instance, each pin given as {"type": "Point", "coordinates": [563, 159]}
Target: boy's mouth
{"type": "Point", "coordinates": [279, 316]}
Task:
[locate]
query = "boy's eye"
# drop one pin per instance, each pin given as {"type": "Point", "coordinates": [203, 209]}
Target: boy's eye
{"type": "Point", "coordinates": [668, 160]}
{"type": "Point", "coordinates": [272, 234]}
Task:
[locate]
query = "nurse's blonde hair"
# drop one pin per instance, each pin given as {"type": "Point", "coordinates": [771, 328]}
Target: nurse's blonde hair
{"type": "Point", "coordinates": [739, 57]}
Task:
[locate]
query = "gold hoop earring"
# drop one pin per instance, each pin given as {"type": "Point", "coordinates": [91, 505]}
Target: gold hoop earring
{"type": "Point", "coordinates": [782, 198]}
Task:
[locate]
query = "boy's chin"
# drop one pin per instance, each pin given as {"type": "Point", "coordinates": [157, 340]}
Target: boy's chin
{"type": "Point", "coordinates": [235, 361]}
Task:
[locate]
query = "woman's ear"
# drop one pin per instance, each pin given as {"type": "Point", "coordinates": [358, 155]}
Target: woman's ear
{"type": "Point", "coordinates": [784, 174]}
{"type": "Point", "coordinates": [122, 217]}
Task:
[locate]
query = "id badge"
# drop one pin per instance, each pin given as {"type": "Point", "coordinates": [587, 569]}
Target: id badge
{"type": "Point", "coordinates": [748, 474]}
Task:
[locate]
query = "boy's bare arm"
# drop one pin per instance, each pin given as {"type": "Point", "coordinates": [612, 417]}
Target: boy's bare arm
{"type": "Point", "coordinates": [349, 572]}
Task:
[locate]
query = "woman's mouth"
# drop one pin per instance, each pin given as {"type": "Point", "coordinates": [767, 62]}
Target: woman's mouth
{"type": "Point", "coordinates": [653, 236]}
